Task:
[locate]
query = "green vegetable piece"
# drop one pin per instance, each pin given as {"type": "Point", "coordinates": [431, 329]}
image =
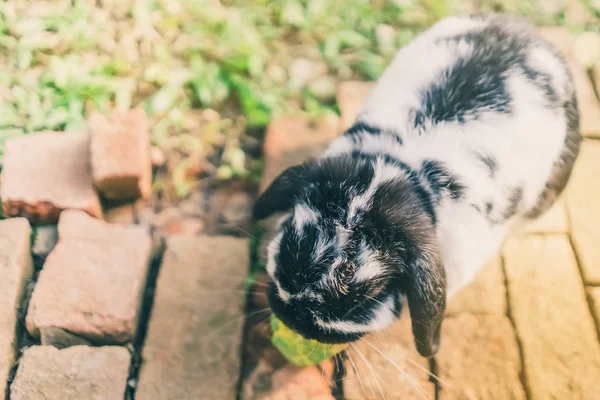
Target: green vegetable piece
{"type": "Point", "coordinates": [298, 350]}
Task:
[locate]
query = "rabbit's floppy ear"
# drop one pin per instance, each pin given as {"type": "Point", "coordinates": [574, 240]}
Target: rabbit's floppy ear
{"type": "Point", "coordinates": [281, 193]}
{"type": "Point", "coordinates": [426, 294]}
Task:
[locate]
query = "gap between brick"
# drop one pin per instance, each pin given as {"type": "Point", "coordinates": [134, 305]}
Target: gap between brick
{"type": "Point", "coordinates": [587, 297]}
{"type": "Point", "coordinates": [158, 252]}
{"type": "Point", "coordinates": [595, 85]}
{"type": "Point", "coordinates": [580, 268]}
{"type": "Point", "coordinates": [509, 315]}
{"type": "Point", "coordinates": [433, 369]}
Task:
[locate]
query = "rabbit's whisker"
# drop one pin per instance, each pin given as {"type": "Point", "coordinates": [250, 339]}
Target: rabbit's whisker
{"type": "Point", "coordinates": [400, 369]}
{"type": "Point", "coordinates": [358, 376]}
{"type": "Point", "coordinates": [373, 372]}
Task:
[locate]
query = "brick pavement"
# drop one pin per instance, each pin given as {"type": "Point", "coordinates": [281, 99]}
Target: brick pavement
{"type": "Point", "coordinates": [527, 328]}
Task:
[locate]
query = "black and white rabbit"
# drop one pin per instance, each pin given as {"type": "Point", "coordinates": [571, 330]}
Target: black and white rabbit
{"type": "Point", "coordinates": [470, 133]}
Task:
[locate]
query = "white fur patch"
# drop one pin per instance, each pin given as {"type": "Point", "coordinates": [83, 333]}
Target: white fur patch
{"type": "Point", "coordinates": [272, 250]}
{"type": "Point", "coordinates": [285, 296]}
{"type": "Point", "coordinates": [303, 215]}
{"type": "Point", "coordinates": [369, 266]}
{"type": "Point", "coordinates": [384, 316]}
{"type": "Point", "coordinates": [383, 173]}
{"type": "Point", "coordinates": [322, 246]}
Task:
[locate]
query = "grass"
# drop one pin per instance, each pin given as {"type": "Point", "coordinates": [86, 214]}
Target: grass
{"type": "Point", "coordinates": [243, 61]}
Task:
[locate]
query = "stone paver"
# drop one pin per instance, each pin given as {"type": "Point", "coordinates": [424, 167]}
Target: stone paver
{"type": "Point", "coordinates": [548, 304]}
{"type": "Point", "coordinates": [479, 359]}
{"type": "Point", "coordinates": [350, 98]}
{"type": "Point", "coordinates": [583, 205]}
{"type": "Point", "coordinates": [555, 220]}
{"type": "Point", "coordinates": [192, 350]}
{"type": "Point", "coordinates": [589, 106]}
{"type": "Point", "coordinates": [485, 295]}
{"type": "Point", "coordinates": [120, 150]}
{"type": "Point", "coordinates": [45, 173]}
{"type": "Point", "coordinates": [76, 373]}
{"type": "Point", "coordinates": [291, 141]}
{"type": "Point", "coordinates": [560, 38]}
{"type": "Point", "coordinates": [391, 357]}
{"type": "Point", "coordinates": [16, 268]}
{"type": "Point", "coordinates": [594, 297]}
{"type": "Point", "coordinates": [291, 383]}
{"type": "Point", "coordinates": [93, 281]}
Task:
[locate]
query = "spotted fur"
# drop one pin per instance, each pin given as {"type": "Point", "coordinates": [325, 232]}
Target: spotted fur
{"type": "Point", "coordinates": [471, 132]}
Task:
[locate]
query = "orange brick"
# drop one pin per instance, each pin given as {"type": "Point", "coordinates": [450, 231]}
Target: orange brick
{"type": "Point", "coordinates": [594, 297]}
{"type": "Point", "coordinates": [350, 97]}
{"type": "Point", "coordinates": [589, 106]}
{"type": "Point", "coordinates": [290, 141]}
{"type": "Point", "coordinates": [391, 357]}
{"type": "Point", "coordinates": [548, 303]}
{"type": "Point", "coordinates": [485, 295]}
{"type": "Point", "coordinates": [479, 359]}
{"type": "Point", "coordinates": [120, 149]}
{"type": "Point", "coordinates": [560, 38]}
{"type": "Point", "coordinates": [555, 220]}
{"type": "Point", "coordinates": [583, 205]}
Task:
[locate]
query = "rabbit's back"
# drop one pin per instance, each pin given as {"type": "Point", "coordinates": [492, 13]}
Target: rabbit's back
{"type": "Point", "coordinates": [484, 112]}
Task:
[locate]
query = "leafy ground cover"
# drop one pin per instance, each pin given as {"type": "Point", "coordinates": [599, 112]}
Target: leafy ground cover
{"type": "Point", "coordinates": [212, 74]}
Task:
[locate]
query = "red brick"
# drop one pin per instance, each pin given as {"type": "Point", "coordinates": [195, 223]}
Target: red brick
{"type": "Point", "coordinates": [290, 141]}
{"type": "Point", "coordinates": [552, 318]}
{"type": "Point", "coordinates": [76, 373]}
{"type": "Point", "coordinates": [485, 295]}
{"type": "Point", "coordinates": [120, 148]}
{"type": "Point", "coordinates": [193, 346]}
{"type": "Point", "coordinates": [583, 207]}
{"type": "Point", "coordinates": [92, 283]}
{"type": "Point", "coordinates": [350, 98]}
{"type": "Point", "coordinates": [45, 173]}
{"type": "Point", "coordinates": [479, 359]}
{"type": "Point", "coordinates": [396, 343]}
{"type": "Point", "coordinates": [16, 268]}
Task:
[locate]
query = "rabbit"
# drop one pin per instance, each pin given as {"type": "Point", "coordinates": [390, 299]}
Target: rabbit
{"type": "Point", "coordinates": [469, 134]}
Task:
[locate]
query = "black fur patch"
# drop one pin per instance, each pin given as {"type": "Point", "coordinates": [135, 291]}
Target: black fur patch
{"type": "Point", "coordinates": [489, 161]}
{"type": "Point", "coordinates": [563, 166]}
{"type": "Point", "coordinates": [543, 82]}
{"type": "Point", "coordinates": [514, 200]}
{"type": "Point", "coordinates": [497, 217]}
{"type": "Point", "coordinates": [477, 83]}
{"type": "Point", "coordinates": [360, 128]}
{"type": "Point", "coordinates": [441, 181]}
{"type": "Point", "coordinates": [423, 195]}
